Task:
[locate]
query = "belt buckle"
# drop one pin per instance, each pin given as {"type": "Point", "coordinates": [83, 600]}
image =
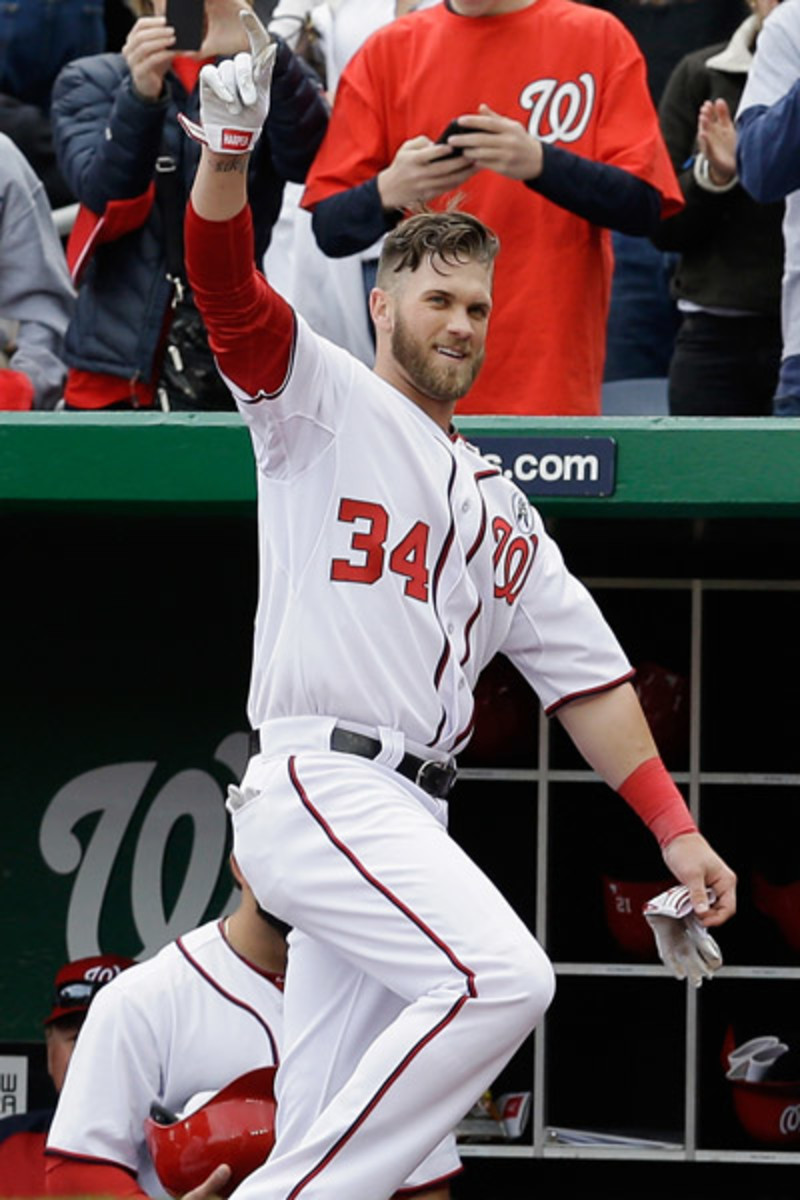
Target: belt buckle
{"type": "Point", "coordinates": [436, 778]}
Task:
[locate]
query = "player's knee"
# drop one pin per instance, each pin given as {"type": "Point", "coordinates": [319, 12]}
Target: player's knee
{"type": "Point", "coordinates": [534, 984]}
{"type": "Point", "coordinates": [522, 983]}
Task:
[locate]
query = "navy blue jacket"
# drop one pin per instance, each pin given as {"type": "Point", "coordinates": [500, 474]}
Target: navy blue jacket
{"type": "Point", "coordinates": [108, 140]}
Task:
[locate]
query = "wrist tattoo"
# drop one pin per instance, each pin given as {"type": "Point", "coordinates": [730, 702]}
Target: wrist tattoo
{"type": "Point", "coordinates": [231, 163]}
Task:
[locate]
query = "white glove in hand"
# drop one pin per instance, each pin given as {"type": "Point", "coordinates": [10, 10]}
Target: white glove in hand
{"type": "Point", "coordinates": [684, 945]}
{"type": "Point", "coordinates": [234, 96]}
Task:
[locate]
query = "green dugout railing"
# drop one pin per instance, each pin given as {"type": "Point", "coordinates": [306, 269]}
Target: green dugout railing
{"type": "Point", "coordinates": [655, 466]}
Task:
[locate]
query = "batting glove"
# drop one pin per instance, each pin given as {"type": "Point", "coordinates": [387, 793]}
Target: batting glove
{"type": "Point", "coordinates": [684, 945]}
{"type": "Point", "coordinates": [234, 96]}
{"type": "Point", "coordinates": [753, 1059]}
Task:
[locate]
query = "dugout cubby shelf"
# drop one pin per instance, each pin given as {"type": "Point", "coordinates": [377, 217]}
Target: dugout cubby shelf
{"type": "Point", "coordinates": [129, 547]}
{"type": "Point", "coordinates": [629, 1062]}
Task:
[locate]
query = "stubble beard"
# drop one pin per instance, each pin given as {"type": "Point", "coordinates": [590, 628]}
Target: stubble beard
{"type": "Point", "coordinates": [446, 381]}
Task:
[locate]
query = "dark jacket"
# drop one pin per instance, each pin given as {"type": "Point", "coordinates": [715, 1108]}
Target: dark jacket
{"type": "Point", "coordinates": [29, 128]}
{"type": "Point", "coordinates": [108, 141]}
{"type": "Point", "coordinates": [730, 247]}
{"type": "Point", "coordinates": [37, 38]}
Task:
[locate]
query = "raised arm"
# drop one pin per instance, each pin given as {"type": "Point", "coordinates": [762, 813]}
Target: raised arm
{"type": "Point", "coordinates": [250, 327]}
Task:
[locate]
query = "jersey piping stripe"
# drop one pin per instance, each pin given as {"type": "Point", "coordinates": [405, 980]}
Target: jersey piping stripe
{"type": "Point", "coordinates": [375, 883]}
{"type": "Point", "coordinates": [440, 666]}
{"type": "Point", "coordinates": [55, 1152]}
{"type": "Point", "coordinates": [479, 477]}
{"type": "Point", "coordinates": [373, 1103]}
{"type": "Point", "coordinates": [481, 534]}
{"type": "Point", "coordinates": [470, 991]}
{"type": "Point", "coordinates": [466, 732]}
{"type": "Point", "coordinates": [264, 395]}
{"type": "Point", "coordinates": [439, 728]}
{"type": "Point", "coordinates": [602, 687]}
{"type": "Point", "coordinates": [468, 630]}
{"type": "Point", "coordinates": [437, 573]}
{"type": "Point", "coordinates": [233, 999]}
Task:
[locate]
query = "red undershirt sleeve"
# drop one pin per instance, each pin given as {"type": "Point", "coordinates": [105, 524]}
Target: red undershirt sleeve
{"type": "Point", "coordinates": [77, 1177]}
{"type": "Point", "coordinates": [251, 329]}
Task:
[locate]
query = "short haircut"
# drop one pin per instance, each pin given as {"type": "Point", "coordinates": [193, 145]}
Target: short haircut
{"type": "Point", "coordinates": [453, 236]}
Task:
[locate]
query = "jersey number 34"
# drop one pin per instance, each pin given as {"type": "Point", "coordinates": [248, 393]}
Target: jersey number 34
{"type": "Point", "coordinates": [513, 555]}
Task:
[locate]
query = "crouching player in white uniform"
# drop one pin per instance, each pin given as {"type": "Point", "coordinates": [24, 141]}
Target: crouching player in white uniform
{"type": "Point", "coordinates": [395, 563]}
{"type": "Point", "coordinates": [202, 1012]}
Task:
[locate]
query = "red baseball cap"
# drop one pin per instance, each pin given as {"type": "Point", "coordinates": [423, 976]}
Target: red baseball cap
{"type": "Point", "coordinates": [78, 982]}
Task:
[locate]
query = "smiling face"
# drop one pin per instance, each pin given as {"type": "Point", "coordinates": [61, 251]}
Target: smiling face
{"type": "Point", "coordinates": [431, 326]}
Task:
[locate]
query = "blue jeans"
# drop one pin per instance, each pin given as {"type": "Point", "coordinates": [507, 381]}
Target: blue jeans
{"type": "Point", "coordinates": [787, 397]}
{"type": "Point", "coordinates": [643, 320]}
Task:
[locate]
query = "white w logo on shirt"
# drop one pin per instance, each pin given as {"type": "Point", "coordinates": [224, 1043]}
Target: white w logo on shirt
{"type": "Point", "coordinates": [559, 112]}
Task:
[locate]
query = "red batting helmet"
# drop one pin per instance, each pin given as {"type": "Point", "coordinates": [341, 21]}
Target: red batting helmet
{"type": "Point", "coordinates": [767, 1104]}
{"type": "Point", "coordinates": [235, 1126]}
{"type": "Point", "coordinates": [623, 901]}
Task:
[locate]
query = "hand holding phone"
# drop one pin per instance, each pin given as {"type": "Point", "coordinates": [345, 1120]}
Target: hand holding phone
{"type": "Point", "coordinates": [187, 18]}
{"type": "Point", "coordinates": [452, 128]}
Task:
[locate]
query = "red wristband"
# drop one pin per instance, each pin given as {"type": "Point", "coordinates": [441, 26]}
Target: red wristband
{"type": "Point", "coordinates": [652, 794]}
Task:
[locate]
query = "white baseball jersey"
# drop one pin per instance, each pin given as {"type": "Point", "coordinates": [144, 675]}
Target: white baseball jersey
{"type": "Point", "coordinates": [396, 562]}
{"type": "Point", "coordinates": [191, 1019]}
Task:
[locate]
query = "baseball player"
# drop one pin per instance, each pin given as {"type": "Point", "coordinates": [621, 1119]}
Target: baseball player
{"type": "Point", "coordinates": [395, 563]}
{"type": "Point", "coordinates": [203, 1011]}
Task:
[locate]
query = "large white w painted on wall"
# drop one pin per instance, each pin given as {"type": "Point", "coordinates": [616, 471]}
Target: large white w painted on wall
{"type": "Point", "coordinates": [115, 791]}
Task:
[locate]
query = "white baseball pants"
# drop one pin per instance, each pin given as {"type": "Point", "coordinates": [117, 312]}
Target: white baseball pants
{"type": "Point", "coordinates": [410, 980]}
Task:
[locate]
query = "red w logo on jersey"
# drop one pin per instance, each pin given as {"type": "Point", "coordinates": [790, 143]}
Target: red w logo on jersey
{"type": "Point", "coordinates": [513, 558]}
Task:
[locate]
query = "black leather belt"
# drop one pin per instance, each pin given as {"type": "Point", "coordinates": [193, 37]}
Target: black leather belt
{"type": "Point", "coordinates": [435, 778]}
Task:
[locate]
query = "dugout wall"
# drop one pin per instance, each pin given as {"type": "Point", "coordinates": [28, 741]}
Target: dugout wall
{"type": "Point", "coordinates": [129, 568]}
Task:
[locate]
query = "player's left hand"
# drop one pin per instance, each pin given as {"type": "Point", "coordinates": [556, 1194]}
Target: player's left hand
{"type": "Point", "coordinates": [693, 863]}
{"type": "Point", "coordinates": [234, 96]}
{"type": "Point", "coordinates": [685, 947]}
{"type": "Point", "coordinates": [211, 1185]}
{"type": "Point", "coordinates": [499, 144]}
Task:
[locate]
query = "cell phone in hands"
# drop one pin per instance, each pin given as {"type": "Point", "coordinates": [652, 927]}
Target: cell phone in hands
{"type": "Point", "coordinates": [452, 128]}
{"type": "Point", "coordinates": [187, 17]}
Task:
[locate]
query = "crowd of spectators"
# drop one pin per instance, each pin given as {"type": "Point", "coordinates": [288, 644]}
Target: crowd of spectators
{"type": "Point", "coordinates": [598, 139]}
